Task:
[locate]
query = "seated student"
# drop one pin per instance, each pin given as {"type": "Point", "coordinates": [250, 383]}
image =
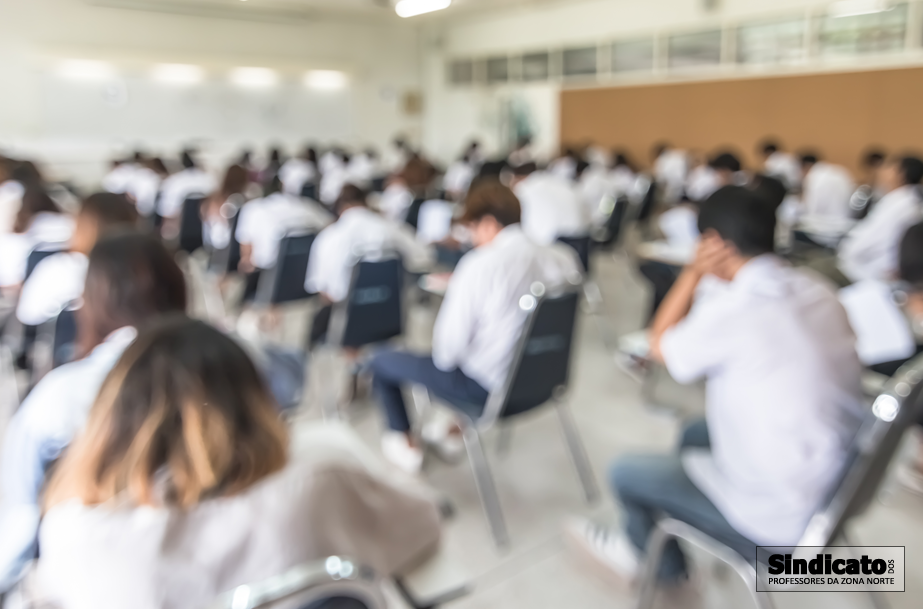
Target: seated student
{"type": "Point", "coordinates": [780, 164]}
{"type": "Point", "coordinates": [185, 485]}
{"type": "Point", "coordinates": [39, 223]}
{"type": "Point", "coordinates": [459, 175]}
{"type": "Point", "coordinates": [522, 153]}
{"type": "Point", "coordinates": [622, 174]}
{"type": "Point", "coordinates": [57, 281]}
{"type": "Point", "coordinates": [297, 172]}
{"type": "Point", "coordinates": [131, 278]}
{"type": "Point", "coordinates": [670, 169]}
{"type": "Point", "coordinates": [357, 233]}
{"type": "Point", "coordinates": [192, 180]}
{"type": "Point", "coordinates": [565, 166]}
{"type": "Point", "coordinates": [264, 222]}
{"type": "Point", "coordinates": [334, 175]}
{"type": "Point", "coordinates": [218, 210]}
{"type": "Point", "coordinates": [870, 250]}
{"type": "Point", "coordinates": [479, 321]}
{"type": "Point", "coordinates": [825, 189]}
{"type": "Point", "coordinates": [362, 168]}
{"type": "Point", "coordinates": [783, 398]}
{"type": "Point", "coordinates": [551, 205]}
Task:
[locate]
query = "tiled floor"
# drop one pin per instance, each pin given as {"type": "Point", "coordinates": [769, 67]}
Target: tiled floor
{"type": "Point", "coordinates": [539, 489]}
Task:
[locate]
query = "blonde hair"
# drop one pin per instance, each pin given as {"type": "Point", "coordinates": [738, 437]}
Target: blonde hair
{"type": "Point", "coordinates": [184, 416]}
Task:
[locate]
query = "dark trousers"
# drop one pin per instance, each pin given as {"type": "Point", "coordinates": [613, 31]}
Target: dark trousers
{"type": "Point", "coordinates": [662, 277]}
{"type": "Point", "coordinates": [393, 369]}
{"type": "Point", "coordinates": [319, 326]}
{"type": "Point", "coordinates": [251, 286]}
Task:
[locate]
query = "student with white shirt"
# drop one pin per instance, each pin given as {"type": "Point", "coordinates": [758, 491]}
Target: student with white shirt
{"type": "Point", "coordinates": [262, 225]}
{"type": "Point", "coordinates": [131, 278]}
{"type": "Point", "coordinates": [459, 175]}
{"type": "Point", "coordinates": [39, 223]}
{"type": "Point", "coordinates": [825, 189]}
{"type": "Point", "coordinates": [780, 164]}
{"type": "Point", "coordinates": [551, 205]}
{"type": "Point", "coordinates": [299, 172]}
{"type": "Point", "coordinates": [670, 170]}
{"type": "Point", "coordinates": [358, 232]}
{"type": "Point", "coordinates": [522, 153]}
{"type": "Point", "coordinates": [57, 281]}
{"type": "Point", "coordinates": [219, 210]}
{"type": "Point", "coordinates": [11, 191]}
{"type": "Point", "coordinates": [479, 321]}
{"type": "Point", "coordinates": [362, 168]}
{"type": "Point", "coordinates": [334, 175]}
{"type": "Point", "coordinates": [186, 485]}
{"type": "Point", "coordinates": [192, 180]}
{"type": "Point", "coordinates": [622, 174]}
{"type": "Point", "coordinates": [783, 398]}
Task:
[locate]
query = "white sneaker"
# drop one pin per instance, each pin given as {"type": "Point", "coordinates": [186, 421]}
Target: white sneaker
{"type": "Point", "coordinates": [632, 365]}
{"type": "Point", "coordinates": [397, 449]}
{"type": "Point", "coordinates": [437, 435]}
{"type": "Point", "coordinates": [609, 549]}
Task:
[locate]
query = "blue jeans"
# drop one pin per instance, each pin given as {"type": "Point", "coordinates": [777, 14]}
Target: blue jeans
{"type": "Point", "coordinates": [393, 369]}
{"type": "Point", "coordinates": [651, 486]}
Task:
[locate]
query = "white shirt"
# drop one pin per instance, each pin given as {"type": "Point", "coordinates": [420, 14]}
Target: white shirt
{"type": "Point", "coordinates": [119, 178]}
{"type": "Point", "coordinates": [594, 184]}
{"type": "Point", "coordinates": [783, 396]}
{"type": "Point", "coordinates": [264, 222]}
{"type": "Point", "coordinates": [144, 186]}
{"type": "Point", "coordinates": [564, 167]}
{"type": "Point", "coordinates": [680, 226]}
{"type": "Point", "coordinates": [784, 166]}
{"type": "Point", "coordinates": [551, 208]}
{"type": "Point", "coordinates": [295, 173]}
{"type": "Point", "coordinates": [332, 182]}
{"type": "Point", "coordinates": [435, 221]}
{"type": "Point", "coordinates": [359, 233]}
{"type": "Point", "coordinates": [10, 202]}
{"type": "Point", "coordinates": [47, 231]}
{"type": "Point", "coordinates": [826, 191]}
{"type": "Point", "coordinates": [179, 186]}
{"type": "Point", "coordinates": [670, 170]}
{"type": "Point", "coordinates": [362, 169]}
{"type": "Point", "coordinates": [458, 178]}
{"type": "Point", "coordinates": [623, 180]}
{"type": "Point", "coordinates": [480, 320]}
{"type": "Point", "coordinates": [56, 282]}
{"type": "Point", "coordinates": [395, 201]}
{"type": "Point", "coordinates": [702, 182]}
{"type": "Point", "coordinates": [870, 250]}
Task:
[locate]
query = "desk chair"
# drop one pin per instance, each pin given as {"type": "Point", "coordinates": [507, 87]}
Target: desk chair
{"type": "Point", "coordinates": [29, 333]}
{"type": "Point", "coordinates": [539, 375]}
{"type": "Point", "coordinates": [309, 190]}
{"type": "Point", "coordinates": [285, 281]}
{"type": "Point", "coordinates": [190, 224]}
{"type": "Point", "coordinates": [616, 218]}
{"type": "Point", "coordinates": [413, 212]}
{"type": "Point", "coordinates": [55, 344]}
{"type": "Point", "coordinates": [581, 245]}
{"type": "Point", "coordinates": [647, 201]}
{"type": "Point", "coordinates": [895, 410]}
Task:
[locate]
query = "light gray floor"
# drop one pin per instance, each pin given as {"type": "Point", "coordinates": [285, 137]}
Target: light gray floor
{"type": "Point", "coordinates": [539, 489]}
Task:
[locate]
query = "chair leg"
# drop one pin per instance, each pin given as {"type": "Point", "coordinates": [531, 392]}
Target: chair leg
{"type": "Point", "coordinates": [330, 391]}
{"type": "Point", "coordinates": [504, 439]}
{"type": "Point", "coordinates": [647, 582]}
{"type": "Point", "coordinates": [578, 453]}
{"type": "Point", "coordinates": [485, 484]}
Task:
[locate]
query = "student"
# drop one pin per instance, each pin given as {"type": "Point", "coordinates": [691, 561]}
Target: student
{"type": "Point", "coordinates": [670, 170]}
{"type": "Point", "coordinates": [57, 281]}
{"type": "Point", "coordinates": [551, 205]}
{"type": "Point", "coordinates": [119, 178]}
{"type": "Point", "coordinates": [185, 485]}
{"type": "Point", "coordinates": [825, 189]}
{"type": "Point", "coordinates": [264, 222]}
{"type": "Point", "coordinates": [622, 174]}
{"type": "Point", "coordinates": [357, 233]}
{"type": "Point", "coordinates": [11, 191]}
{"type": "Point", "coordinates": [297, 172]}
{"type": "Point", "coordinates": [131, 278]}
{"type": "Point", "coordinates": [523, 153]}
{"type": "Point", "coordinates": [869, 191]}
{"type": "Point", "coordinates": [396, 199]}
{"type": "Point", "coordinates": [783, 399]}
{"type": "Point", "coordinates": [192, 180]}
{"type": "Point", "coordinates": [704, 180]}
{"type": "Point", "coordinates": [565, 166]}
{"type": "Point", "coordinates": [780, 165]}
{"type": "Point", "coordinates": [479, 321]}
{"type": "Point", "coordinates": [459, 175]}
{"type": "Point", "coordinates": [334, 175]}
{"type": "Point", "coordinates": [39, 223]}
{"type": "Point", "coordinates": [870, 250]}
{"type": "Point", "coordinates": [219, 209]}
{"type": "Point", "coordinates": [362, 169]}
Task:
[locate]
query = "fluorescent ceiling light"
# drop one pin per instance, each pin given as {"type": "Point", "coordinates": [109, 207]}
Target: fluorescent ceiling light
{"type": "Point", "coordinates": [177, 73]}
{"type": "Point", "coordinates": [412, 8]}
{"type": "Point", "coordinates": [254, 78]}
{"type": "Point", "coordinates": [85, 69]}
{"type": "Point", "coordinates": [851, 8]}
{"type": "Point", "coordinates": [325, 80]}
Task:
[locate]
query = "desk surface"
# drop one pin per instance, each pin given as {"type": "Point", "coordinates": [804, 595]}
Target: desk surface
{"type": "Point", "coordinates": [662, 251]}
{"type": "Point", "coordinates": [435, 283]}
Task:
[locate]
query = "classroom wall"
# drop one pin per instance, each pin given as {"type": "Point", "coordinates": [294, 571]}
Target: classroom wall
{"type": "Point", "coordinates": [839, 115]}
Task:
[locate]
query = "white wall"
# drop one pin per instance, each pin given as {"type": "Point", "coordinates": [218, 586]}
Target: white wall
{"type": "Point", "coordinates": [75, 126]}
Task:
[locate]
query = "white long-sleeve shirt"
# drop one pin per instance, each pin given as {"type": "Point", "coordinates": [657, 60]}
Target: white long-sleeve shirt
{"type": "Point", "coordinates": [551, 208]}
{"type": "Point", "coordinates": [670, 171]}
{"type": "Point", "coordinates": [47, 231]}
{"type": "Point", "coordinates": [56, 282]}
{"type": "Point", "coordinates": [826, 191]}
{"type": "Point", "coordinates": [264, 222]}
{"type": "Point", "coordinates": [784, 166]}
{"type": "Point", "coordinates": [870, 250]}
{"type": "Point", "coordinates": [480, 320]}
{"type": "Point", "coordinates": [395, 201]}
{"type": "Point", "coordinates": [179, 186]}
{"type": "Point", "coordinates": [359, 233]}
{"type": "Point", "coordinates": [295, 173]}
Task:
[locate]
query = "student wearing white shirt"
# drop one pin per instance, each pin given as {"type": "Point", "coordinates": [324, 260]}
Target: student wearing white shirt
{"type": "Point", "coordinates": [178, 187]}
{"type": "Point", "coordinates": [522, 154]}
{"type": "Point", "coordinates": [11, 191]}
{"type": "Point", "coordinates": [781, 165]}
{"type": "Point", "coordinates": [622, 175]}
{"type": "Point", "coordinates": [358, 232]}
{"type": "Point", "coordinates": [459, 175]}
{"type": "Point", "coordinates": [670, 169]}
{"type": "Point", "coordinates": [565, 166]}
{"type": "Point", "coordinates": [334, 175]}
{"type": "Point", "coordinates": [551, 205]}
{"type": "Point", "coordinates": [39, 223]}
{"type": "Point", "coordinates": [219, 210]}
{"type": "Point", "coordinates": [298, 172]}
{"type": "Point", "coordinates": [396, 199]}
{"type": "Point", "coordinates": [783, 398]}
{"type": "Point", "coordinates": [131, 279]}
{"type": "Point", "coordinates": [479, 321]}
{"type": "Point", "coordinates": [362, 169]}
{"type": "Point", "coordinates": [825, 189]}
{"type": "Point", "coordinates": [870, 249]}
{"type": "Point", "coordinates": [57, 281]}
{"type": "Point", "coordinates": [119, 177]}
{"type": "Point", "coordinates": [186, 484]}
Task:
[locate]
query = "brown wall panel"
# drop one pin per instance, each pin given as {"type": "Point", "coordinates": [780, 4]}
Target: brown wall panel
{"type": "Point", "coordinates": [838, 114]}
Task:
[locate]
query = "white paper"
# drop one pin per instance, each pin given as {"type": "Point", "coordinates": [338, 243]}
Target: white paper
{"type": "Point", "coordinates": [882, 331]}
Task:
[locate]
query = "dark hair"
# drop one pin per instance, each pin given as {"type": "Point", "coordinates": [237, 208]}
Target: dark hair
{"type": "Point", "coordinates": [35, 200]}
{"type": "Point", "coordinates": [491, 198]}
{"type": "Point", "coordinates": [873, 158]}
{"type": "Point", "coordinates": [621, 158]}
{"type": "Point", "coordinates": [109, 210]}
{"type": "Point", "coordinates": [809, 158]}
{"type": "Point", "coordinates": [525, 169]}
{"type": "Point", "coordinates": [157, 165]}
{"type": "Point", "coordinates": [187, 160]}
{"type": "Point", "coordinates": [522, 142]}
{"type": "Point", "coordinates": [659, 148]}
{"type": "Point", "coordinates": [726, 161]}
{"type": "Point", "coordinates": [742, 217]}
{"type": "Point", "coordinates": [350, 196]}
{"type": "Point", "coordinates": [770, 188]}
{"type": "Point", "coordinates": [911, 169]}
{"type": "Point", "coordinates": [273, 185]}
{"type": "Point", "coordinates": [26, 173]}
{"type": "Point", "coordinates": [275, 155]}
{"type": "Point", "coordinates": [235, 181]}
{"type": "Point", "coordinates": [310, 154]}
{"type": "Point", "coordinates": [131, 279]}
{"type": "Point", "coordinates": [769, 147]}
{"type": "Point", "coordinates": [910, 258]}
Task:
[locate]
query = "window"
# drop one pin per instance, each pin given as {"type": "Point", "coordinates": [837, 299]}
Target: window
{"type": "Point", "coordinates": [535, 66]}
{"type": "Point", "coordinates": [698, 49]}
{"type": "Point", "coordinates": [772, 42]}
{"type": "Point", "coordinates": [498, 70]}
{"type": "Point", "coordinates": [878, 32]}
{"type": "Point", "coordinates": [461, 72]}
{"type": "Point", "coordinates": [633, 55]}
{"type": "Point", "coordinates": [579, 62]}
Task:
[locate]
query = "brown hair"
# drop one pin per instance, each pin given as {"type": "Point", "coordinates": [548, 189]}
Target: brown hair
{"type": "Point", "coordinates": [182, 417]}
{"type": "Point", "coordinates": [131, 279]}
{"type": "Point", "coordinates": [350, 195]}
{"type": "Point", "coordinates": [235, 181]}
{"type": "Point", "coordinates": [109, 210]}
{"type": "Point", "coordinates": [491, 198]}
{"type": "Point", "coordinates": [35, 200]}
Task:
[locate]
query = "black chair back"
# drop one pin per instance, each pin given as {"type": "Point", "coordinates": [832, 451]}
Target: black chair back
{"type": "Point", "coordinates": [646, 206]}
{"type": "Point", "coordinates": [615, 222]}
{"type": "Point", "coordinates": [190, 224]}
{"type": "Point", "coordinates": [65, 338]}
{"type": "Point", "coordinates": [309, 190]}
{"type": "Point", "coordinates": [413, 213]}
{"type": "Point", "coordinates": [39, 254]}
{"type": "Point", "coordinates": [373, 312]}
{"type": "Point", "coordinates": [285, 282]}
{"type": "Point", "coordinates": [581, 245]}
{"type": "Point", "coordinates": [541, 366]}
